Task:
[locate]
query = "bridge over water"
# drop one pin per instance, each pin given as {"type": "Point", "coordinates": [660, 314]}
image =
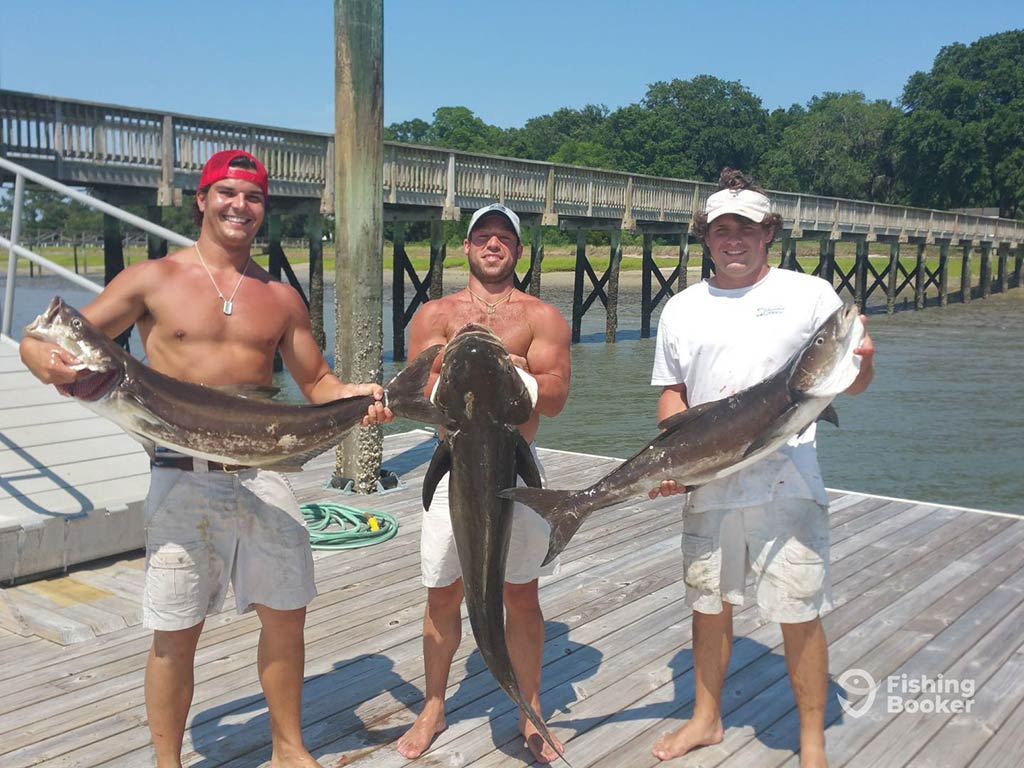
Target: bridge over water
{"type": "Point", "coordinates": [133, 156]}
{"type": "Point", "coordinates": [137, 156]}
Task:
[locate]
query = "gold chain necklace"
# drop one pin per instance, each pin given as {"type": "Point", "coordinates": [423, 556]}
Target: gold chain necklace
{"type": "Point", "coordinates": [229, 302]}
{"type": "Point", "coordinates": [490, 307]}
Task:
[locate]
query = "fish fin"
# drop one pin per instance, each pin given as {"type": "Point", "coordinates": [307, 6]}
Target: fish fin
{"type": "Point", "coordinates": [520, 404]}
{"type": "Point", "coordinates": [765, 438]}
{"type": "Point", "coordinates": [549, 504]}
{"type": "Point", "coordinates": [405, 391]}
{"type": "Point", "coordinates": [829, 415]}
{"type": "Point", "coordinates": [440, 465]}
{"type": "Point", "coordinates": [677, 420]}
{"type": "Point", "coordinates": [526, 465]}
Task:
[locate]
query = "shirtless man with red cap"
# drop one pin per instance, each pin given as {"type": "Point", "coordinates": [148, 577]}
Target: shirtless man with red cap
{"type": "Point", "coordinates": [209, 314]}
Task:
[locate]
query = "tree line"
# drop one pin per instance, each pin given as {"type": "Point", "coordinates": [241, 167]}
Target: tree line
{"type": "Point", "coordinates": [955, 140]}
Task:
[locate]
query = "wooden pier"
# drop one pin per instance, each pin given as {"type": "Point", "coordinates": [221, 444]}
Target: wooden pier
{"type": "Point", "coordinates": [154, 158]}
{"type": "Point", "coordinates": [920, 590]}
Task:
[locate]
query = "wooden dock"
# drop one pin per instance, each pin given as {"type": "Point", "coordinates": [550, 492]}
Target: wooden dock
{"type": "Point", "coordinates": [71, 482]}
{"type": "Point", "coordinates": [921, 590]}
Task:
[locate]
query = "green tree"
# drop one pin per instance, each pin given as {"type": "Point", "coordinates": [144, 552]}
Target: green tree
{"type": "Point", "coordinates": [413, 131]}
{"type": "Point", "coordinates": [962, 140]}
{"type": "Point", "coordinates": [688, 128]}
{"type": "Point", "coordinates": [564, 130]}
{"type": "Point", "coordinates": [459, 128]}
{"type": "Point", "coordinates": [840, 145]}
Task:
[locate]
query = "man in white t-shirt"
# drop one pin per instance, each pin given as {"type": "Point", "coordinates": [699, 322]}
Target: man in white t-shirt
{"type": "Point", "coordinates": [771, 518]}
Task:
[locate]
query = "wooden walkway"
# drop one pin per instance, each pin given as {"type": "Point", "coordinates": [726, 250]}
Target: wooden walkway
{"type": "Point", "coordinates": [920, 590]}
{"type": "Point", "coordinates": [71, 482]}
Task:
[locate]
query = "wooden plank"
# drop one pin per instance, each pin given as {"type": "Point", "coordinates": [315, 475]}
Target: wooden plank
{"type": "Point", "coordinates": [52, 415]}
{"type": "Point", "coordinates": [76, 702]}
{"type": "Point", "coordinates": [55, 455]}
{"type": "Point", "coordinates": [81, 474]}
{"type": "Point", "coordinates": [914, 584]}
{"type": "Point", "coordinates": [89, 425]}
{"type": "Point", "coordinates": [1005, 747]}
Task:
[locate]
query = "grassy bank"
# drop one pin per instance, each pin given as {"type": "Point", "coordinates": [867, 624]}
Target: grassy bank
{"type": "Point", "coordinates": [556, 259]}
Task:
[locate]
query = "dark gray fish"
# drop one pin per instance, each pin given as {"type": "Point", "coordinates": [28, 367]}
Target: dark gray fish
{"type": "Point", "coordinates": [207, 422]}
{"type": "Point", "coordinates": [716, 439]}
{"type": "Point", "coordinates": [481, 399]}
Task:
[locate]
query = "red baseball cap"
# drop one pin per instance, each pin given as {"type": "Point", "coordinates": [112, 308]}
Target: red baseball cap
{"type": "Point", "coordinates": [218, 167]}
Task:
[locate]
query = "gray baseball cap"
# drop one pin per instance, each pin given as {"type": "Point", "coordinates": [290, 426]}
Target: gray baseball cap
{"type": "Point", "coordinates": [495, 208]}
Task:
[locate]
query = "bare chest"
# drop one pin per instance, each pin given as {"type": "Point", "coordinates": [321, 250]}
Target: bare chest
{"type": "Point", "coordinates": [508, 321]}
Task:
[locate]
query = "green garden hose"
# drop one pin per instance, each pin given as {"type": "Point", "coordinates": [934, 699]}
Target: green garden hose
{"type": "Point", "coordinates": [336, 526]}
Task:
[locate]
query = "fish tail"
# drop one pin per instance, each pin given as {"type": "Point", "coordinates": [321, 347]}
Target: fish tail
{"type": "Point", "coordinates": [557, 507]}
{"type": "Point", "coordinates": [404, 393]}
{"type": "Point", "coordinates": [542, 728]}
{"type": "Point", "coordinates": [496, 657]}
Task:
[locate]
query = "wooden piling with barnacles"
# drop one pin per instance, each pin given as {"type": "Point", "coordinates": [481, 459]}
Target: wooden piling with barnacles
{"type": "Point", "coordinates": [359, 185]}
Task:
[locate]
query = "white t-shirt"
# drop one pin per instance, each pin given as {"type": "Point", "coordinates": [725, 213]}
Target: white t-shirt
{"type": "Point", "coordinates": [720, 341]}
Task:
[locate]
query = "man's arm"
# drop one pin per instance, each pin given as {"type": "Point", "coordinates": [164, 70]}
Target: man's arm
{"type": "Point", "coordinates": [118, 307]}
{"type": "Point", "coordinates": [866, 350]}
{"type": "Point", "coordinates": [427, 329]}
{"type": "Point", "coordinates": [548, 359]}
{"type": "Point", "coordinates": [307, 365]}
{"type": "Point", "coordinates": [671, 402]}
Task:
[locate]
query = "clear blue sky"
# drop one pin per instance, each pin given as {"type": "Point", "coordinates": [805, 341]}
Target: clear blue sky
{"type": "Point", "coordinates": [271, 61]}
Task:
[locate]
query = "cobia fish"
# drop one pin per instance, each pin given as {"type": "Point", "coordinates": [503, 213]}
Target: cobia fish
{"type": "Point", "coordinates": [716, 439]}
{"type": "Point", "coordinates": [481, 399]}
{"type": "Point", "coordinates": [203, 421]}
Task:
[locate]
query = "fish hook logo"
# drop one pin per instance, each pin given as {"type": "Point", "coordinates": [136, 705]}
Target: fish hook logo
{"type": "Point", "coordinates": [857, 682]}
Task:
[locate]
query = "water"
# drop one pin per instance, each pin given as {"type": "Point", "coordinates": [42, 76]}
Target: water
{"type": "Point", "coordinates": [943, 421]}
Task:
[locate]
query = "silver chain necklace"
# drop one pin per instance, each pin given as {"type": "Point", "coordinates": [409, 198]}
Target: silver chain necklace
{"type": "Point", "coordinates": [229, 305]}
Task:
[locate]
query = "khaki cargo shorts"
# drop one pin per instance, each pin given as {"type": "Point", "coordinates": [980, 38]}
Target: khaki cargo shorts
{"type": "Point", "coordinates": [783, 547]}
{"type": "Point", "coordinates": [528, 542]}
{"type": "Point", "coordinates": [205, 530]}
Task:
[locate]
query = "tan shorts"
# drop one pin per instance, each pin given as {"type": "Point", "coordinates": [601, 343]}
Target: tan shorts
{"type": "Point", "coordinates": [528, 542]}
{"type": "Point", "coordinates": [783, 546]}
{"type": "Point", "coordinates": [205, 530]}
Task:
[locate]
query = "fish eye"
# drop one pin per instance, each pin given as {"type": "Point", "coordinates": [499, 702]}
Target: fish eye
{"type": "Point", "coordinates": [76, 323]}
{"type": "Point", "coordinates": [819, 341]}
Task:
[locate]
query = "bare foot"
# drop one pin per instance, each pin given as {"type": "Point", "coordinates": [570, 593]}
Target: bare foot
{"type": "Point", "coordinates": [421, 735]}
{"type": "Point", "coordinates": [296, 760]}
{"type": "Point", "coordinates": [539, 748]}
{"type": "Point", "coordinates": [813, 757]}
{"type": "Point", "coordinates": [690, 734]}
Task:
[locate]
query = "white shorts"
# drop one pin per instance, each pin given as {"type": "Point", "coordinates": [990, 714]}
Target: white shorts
{"type": "Point", "coordinates": [783, 545]}
{"type": "Point", "coordinates": [528, 542]}
{"type": "Point", "coordinates": [206, 529]}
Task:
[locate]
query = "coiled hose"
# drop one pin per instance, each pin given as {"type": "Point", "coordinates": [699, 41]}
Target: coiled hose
{"type": "Point", "coordinates": [336, 526]}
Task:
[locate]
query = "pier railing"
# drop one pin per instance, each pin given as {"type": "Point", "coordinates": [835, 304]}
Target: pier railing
{"type": "Point", "coordinates": [90, 144]}
{"type": "Point", "coordinates": [15, 250]}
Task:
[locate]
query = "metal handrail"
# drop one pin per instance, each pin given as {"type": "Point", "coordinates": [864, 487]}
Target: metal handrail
{"type": "Point", "coordinates": [14, 250]}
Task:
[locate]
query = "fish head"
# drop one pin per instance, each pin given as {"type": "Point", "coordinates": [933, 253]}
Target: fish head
{"type": "Point", "coordinates": [478, 381]}
{"type": "Point", "coordinates": [827, 365]}
{"type": "Point", "coordinates": [99, 360]}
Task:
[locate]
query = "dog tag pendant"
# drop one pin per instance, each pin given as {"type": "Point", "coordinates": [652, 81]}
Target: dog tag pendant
{"type": "Point", "coordinates": [228, 306]}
